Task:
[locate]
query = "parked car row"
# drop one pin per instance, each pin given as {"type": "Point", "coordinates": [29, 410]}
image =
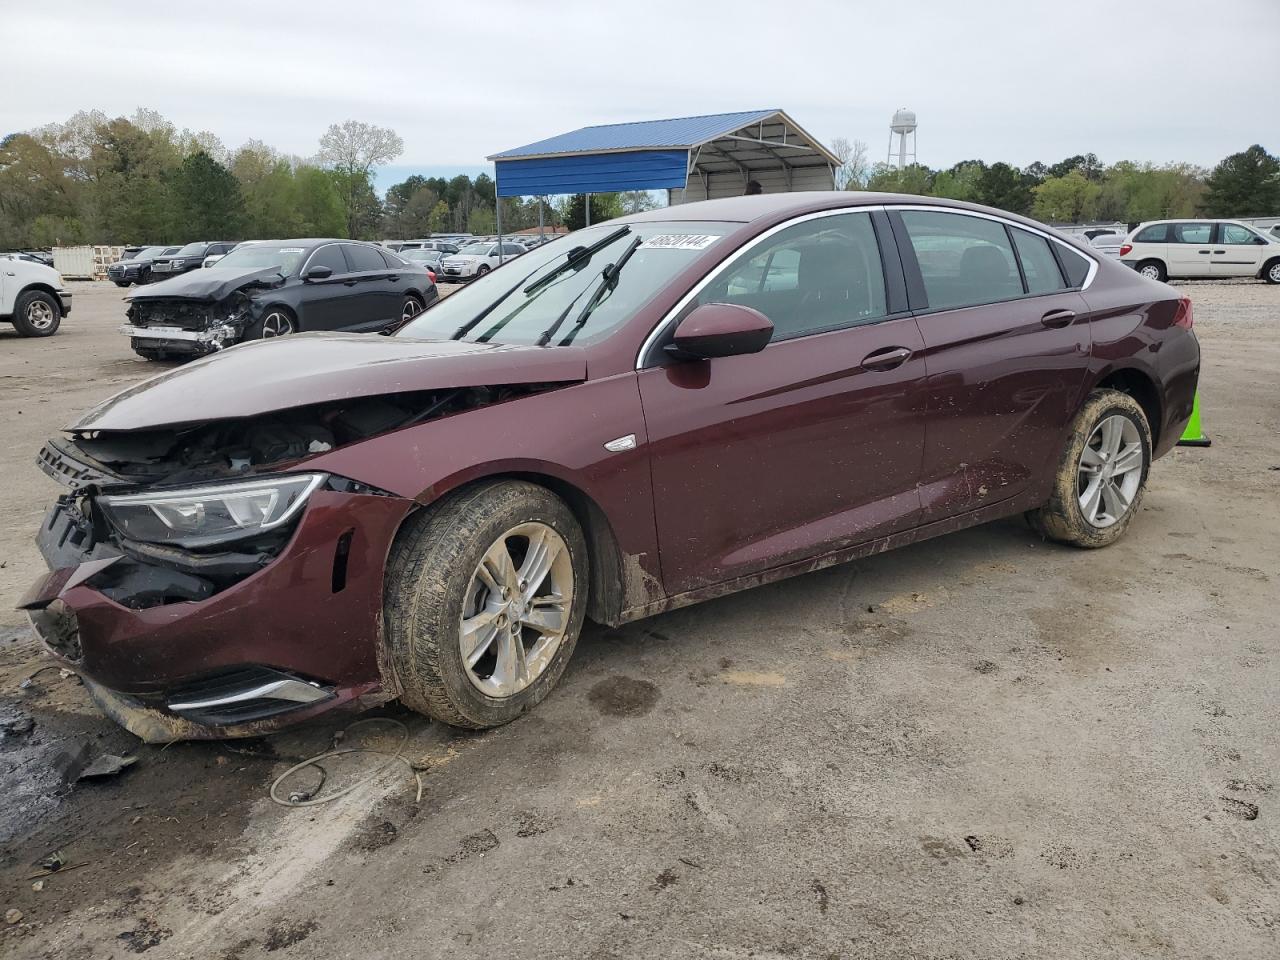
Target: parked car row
{"type": "Point", "coordinates": [271, 288]}
{"type": "Point", "coordinates": [1202, 249]}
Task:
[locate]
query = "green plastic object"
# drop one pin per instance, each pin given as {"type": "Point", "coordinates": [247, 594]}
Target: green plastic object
{"type": "Point", "coordinates": [1194, 435]}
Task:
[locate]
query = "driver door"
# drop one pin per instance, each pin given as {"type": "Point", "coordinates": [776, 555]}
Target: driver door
{"type": "Point", "coordinates": [327, 304]}
{"type": "Point", "coordinates": [811, 445]}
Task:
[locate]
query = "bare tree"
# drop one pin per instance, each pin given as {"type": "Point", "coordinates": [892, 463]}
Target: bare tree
{"type": "Point", "coordinates": [853, 171]}
{"type": "Point", "coordinates": [355, 147]}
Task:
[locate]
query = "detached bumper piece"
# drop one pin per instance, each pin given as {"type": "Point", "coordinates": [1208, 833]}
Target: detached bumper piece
{"type": "Point", "coordinates": [243, 696]}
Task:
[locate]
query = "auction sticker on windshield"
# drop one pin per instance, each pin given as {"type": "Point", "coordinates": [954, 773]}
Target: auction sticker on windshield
{"type": "Point", "coordinates": [679, 241]}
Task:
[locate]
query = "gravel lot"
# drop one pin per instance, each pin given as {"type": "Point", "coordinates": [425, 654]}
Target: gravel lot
{"type": "Point", "coordinates": [978, 746]}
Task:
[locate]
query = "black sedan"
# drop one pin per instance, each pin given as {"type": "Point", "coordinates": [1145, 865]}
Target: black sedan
{"type": "Point", "coordinates": [273, 288]}
{"type": "Point", "coordinates": [137, 268]}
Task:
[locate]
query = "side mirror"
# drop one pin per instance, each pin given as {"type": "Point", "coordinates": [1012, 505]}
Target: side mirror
{"type": "Point", "coordinates": [318, 273]}
{"type": "Point", "coordinates": [721, 330]}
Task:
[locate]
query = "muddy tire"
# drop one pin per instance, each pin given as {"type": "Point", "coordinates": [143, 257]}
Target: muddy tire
{"type": "Point", "coordinates": [442, 581]}
{"type": "Point", "coordinates": [36, 314]}
{"type": "Point", "coordinates": [1101, 475]}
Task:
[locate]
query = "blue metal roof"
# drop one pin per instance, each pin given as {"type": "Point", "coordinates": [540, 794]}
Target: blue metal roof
{"type": "Point", "coordinates": [593, 173]}
{"type": "Point", "coordinates": [685, 132]}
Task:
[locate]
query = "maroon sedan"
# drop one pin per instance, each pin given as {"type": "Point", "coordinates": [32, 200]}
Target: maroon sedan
{"type": "Point", "coordinates": [644, 414]}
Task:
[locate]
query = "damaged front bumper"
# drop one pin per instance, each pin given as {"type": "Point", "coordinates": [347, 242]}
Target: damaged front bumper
{"type": "Point", "coordinates": [175, 339]}
{"type": "Point", "coordinates": [171, 657]}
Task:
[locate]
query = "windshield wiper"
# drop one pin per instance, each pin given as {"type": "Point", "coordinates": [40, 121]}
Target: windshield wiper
{"type": "Point", "coordinates": [576, 257]}
{"type": "Point", "coordinates": [474, 322]}
{"type": "Point", "coordinates": [609, 276]}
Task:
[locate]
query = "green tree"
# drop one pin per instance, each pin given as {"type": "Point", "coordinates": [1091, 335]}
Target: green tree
{"type": "Point", "coordinates": [1067, 199]}
{"type": "Point", "coordinates": [604, 206]}
{"type": "Point", "coordinates": [1005, 187]}
{"type": "Point", "coordinates": [915, 178]}
{"type": "Point", "coordinates": [207, 200]}
{"type": "Point", "coordinates": [353, 149]}
{"type": "Point", "coordinates": [319, 206]}
{"type": "Point", "coordinates": [481, 221]}
{"type": "Point", "coordinates": [961, 182]}
{"type": "Point", "coordinates": [1245, 184]}
{"type": "Point", "coordinates": [439, 221]}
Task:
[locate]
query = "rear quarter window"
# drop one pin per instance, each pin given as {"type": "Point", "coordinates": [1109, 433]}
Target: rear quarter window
{"type": "Point", "coordinates": [1075, 266]}
{"type": "Point", "coordinates": [1159, 233]}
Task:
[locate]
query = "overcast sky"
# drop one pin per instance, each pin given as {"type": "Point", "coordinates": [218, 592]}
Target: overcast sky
{"type": "Point", "coordinates": [1157, 80]}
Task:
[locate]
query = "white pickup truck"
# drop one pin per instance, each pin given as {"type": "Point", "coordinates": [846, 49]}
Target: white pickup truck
{"type": "Point", "coordinates": [32, 297]}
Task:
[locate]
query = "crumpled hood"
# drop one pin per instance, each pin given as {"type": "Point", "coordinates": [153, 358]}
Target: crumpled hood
{"type": "Point", "coordinates": [208, 283]}
{"type": "Point", "coordinates": [281, 373]}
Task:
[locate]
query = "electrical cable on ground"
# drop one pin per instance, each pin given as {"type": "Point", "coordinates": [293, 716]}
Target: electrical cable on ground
{"type": "Point", "coordinates": [391, 755]}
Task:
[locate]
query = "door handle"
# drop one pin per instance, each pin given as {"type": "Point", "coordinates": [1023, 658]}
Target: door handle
{"type": "Point", "coordinates": [1219, 251]}
{"type": "Point", "coordinates": [349, 283]}
{"type": "Point", "coordinates": [1058, 318]}
{"type": "Point", "coordinates": [394, 278]}
{"type": "Point", "coordinates": [886, 359]}
{"type": "Point", "coordinates": [1202, 251]}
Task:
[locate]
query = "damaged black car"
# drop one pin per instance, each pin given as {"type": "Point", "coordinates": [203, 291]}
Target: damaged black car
{"type": "Point", "coordinates": [275, 288]}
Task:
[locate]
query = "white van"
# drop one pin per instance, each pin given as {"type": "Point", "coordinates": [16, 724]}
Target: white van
{"type": "Point", "coordinates": [1202, 249]}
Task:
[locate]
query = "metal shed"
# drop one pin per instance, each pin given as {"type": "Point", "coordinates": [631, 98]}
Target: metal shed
{"type": "Point", "coordinates": [692, 158]}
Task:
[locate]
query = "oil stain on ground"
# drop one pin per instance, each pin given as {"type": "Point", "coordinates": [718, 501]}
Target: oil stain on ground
{"type": "Point", "coordinates": [620, 696]}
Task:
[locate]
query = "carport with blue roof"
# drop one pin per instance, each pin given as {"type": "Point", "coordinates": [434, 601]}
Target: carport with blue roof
{"type": "Point", "coordinates": [692, 158]}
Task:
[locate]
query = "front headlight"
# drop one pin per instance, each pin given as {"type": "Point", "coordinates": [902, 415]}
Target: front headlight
{"type": "Point", "coordinates": [202, 516]}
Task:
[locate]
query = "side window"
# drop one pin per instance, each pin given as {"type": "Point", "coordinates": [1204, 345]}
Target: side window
{"type": "Point", "coordinates": [329, 256]}
{"type": "Point", "coordinates": [964, 260]}
{"type": "Point", "coordinates": [363, 259]}
{"type": "Point", "coordinates": [1159, 233]}
{"type": "Point", "coordinates": [1191, 232]}
{"type": "Point", "coordinates": [1234, 233]}
{"type": "Point", "coordinates": [1038, 263]}
{"type": "Point", "coordinates": [819, 275]}
{"type": "Point", "coordinates": [1075, 266]}
{"type": "Point", "coordinates": [512, 250]}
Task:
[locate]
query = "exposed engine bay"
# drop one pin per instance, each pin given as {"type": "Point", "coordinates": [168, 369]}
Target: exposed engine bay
{"type": "Point", "coordinates": [100, 466]}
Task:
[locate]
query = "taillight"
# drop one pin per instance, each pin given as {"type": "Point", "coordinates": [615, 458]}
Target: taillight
{"type": "Point", "coordinates": [432, 276]}
{"type": "Point", "coordinates": [1125, 248]}
{"type": "Point", "coordinates": [1182, 316]}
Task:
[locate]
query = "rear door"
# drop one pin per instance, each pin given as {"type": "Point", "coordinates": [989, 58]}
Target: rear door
{"type": "Point", "coordinates": [809, 446]}
{"type": "Point", "coordinates": [377, 301]}
{"type": "Point", "coordinates": [1191, 249]}
{"type": "Point", "coordinates": [1006, 348]}
{"type": "Point", "coordinates": [1237, 251]}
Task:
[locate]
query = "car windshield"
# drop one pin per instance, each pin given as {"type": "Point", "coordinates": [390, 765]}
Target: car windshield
{"type": "Point", "coordinates": [519, 304]}
{"type": "Point", "coordinates": [192, 250]}
{"type": "Point", "coordinates": [146, 253]}
{"type": "Point", "coordinates": [281, 257]}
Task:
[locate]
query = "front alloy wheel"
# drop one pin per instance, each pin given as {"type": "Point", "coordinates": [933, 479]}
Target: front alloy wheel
{"type": "Point", "coordinates": [277, 323]}
{"type": "Point", "coordinates": [517, 609]}
{"type": "Point", "coordinates": [484, 597]}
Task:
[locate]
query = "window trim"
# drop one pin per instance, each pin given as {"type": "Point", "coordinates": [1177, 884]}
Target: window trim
{"type": "Point", "coordinates": [915, 281]}
{"type": "Point", "coordinates": [302, 270]}
{"type": "Point", "coordinates": [671, 315]}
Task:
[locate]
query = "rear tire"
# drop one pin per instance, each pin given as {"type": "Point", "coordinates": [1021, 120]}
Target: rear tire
{"type": "Point", "coordinates": [1271, 272]}
{"type": "Point", "coordinates": [1153, 270]}
{"type": "Point", "coordinates": [37, 314]}
{"type": "Point", "coordinates": [431, 587]}
{"type": "Point", "coordinates": [1087, 480]}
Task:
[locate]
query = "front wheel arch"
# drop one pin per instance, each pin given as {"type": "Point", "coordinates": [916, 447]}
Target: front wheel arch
{"type": "Point", "coordinates": [1266, 273]}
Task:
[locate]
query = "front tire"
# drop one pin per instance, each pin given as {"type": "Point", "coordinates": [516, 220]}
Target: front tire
{"type": "Point", "coordinates": [1101, 475]}
{"type": "Point", "coordinates": [485, 597]}
{"type": "Point", "coordinates": [36, 314]}
{"type": "Point", "coordinates": [482, 270]}
{"type": "Point", "coordinates": [1153, 270]}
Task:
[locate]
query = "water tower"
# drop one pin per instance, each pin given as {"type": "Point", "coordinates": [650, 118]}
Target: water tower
{"type": "Point", "coordinates": [902, 127]}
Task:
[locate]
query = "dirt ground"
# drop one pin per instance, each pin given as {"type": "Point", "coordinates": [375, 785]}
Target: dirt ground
{"type": "Point", "coordinates": [981, 746]}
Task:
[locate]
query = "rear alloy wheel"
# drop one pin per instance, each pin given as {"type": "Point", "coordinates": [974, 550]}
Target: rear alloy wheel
{"type": "Point", "coordinates": [277, 323]}
{"type": "Point", "coordinates": [485, 596]}
{"type": "Point", "coordinates": [1102, 474]}
{"type": "Point", "coordinates": [36, 314]}
{"type": "Point", "coordinates": [410, 309]}
{"type": "Point", "coordinates": [1153, 270]}
{"type": "Point", "coordinates": [1271, 273]}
